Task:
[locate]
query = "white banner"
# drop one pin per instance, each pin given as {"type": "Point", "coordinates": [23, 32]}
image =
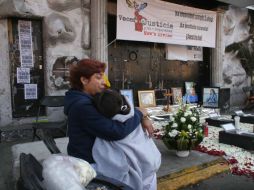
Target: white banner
{"type": "Point", "coordinates": [163, 22]}
{"type": "Point", "coordinates": [184, 53]}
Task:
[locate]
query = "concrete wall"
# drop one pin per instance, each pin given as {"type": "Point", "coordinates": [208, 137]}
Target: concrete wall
{"type": "Point", "coordinates": [5, 88]}
{"type": "Point", "coordinates": [236, 30]}
{"type": "Point", "coordinates": [228, 71]}
{"type": "Point", "coordinates": [66, 35]}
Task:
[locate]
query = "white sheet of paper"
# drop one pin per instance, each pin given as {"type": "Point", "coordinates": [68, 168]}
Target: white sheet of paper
{"type": "Point", "coordinates": [23, 75]}
{"type": "Point", "coordinates": [213, 115]}
{"type": "Point", "coordinates": [30, 91]}
{"type": "Point", "coordinates": [239, 112]}
{"type": "Point", "coordinates": [228, 127]}
{"type": "Point", "coordinates": [25, 43]}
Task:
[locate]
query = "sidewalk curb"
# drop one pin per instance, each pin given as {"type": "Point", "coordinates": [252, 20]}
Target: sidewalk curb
{"type": "Point", "coordinates": [192, 175]}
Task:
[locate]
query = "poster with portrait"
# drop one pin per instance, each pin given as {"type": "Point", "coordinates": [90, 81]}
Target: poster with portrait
{"type": "Point", "coordinates": [211, 97]}
{"type": "Point", "coordinates": [189, 87]}
{"type": "Point", "coordinates": [190, 95]}
{"type": "Point", "coordinates": [177, 95]}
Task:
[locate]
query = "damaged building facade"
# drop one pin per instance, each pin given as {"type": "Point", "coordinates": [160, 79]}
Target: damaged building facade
{"type": "Point", "coordinates": [41, 38]}
{"type": "Point", "coordinates": [39, 41]}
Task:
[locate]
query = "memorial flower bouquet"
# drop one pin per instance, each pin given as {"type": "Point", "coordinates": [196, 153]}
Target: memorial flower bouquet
{"type": "Point", "coordinates": [184, 131]}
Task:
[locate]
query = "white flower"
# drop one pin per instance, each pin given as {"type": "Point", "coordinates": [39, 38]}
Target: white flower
{"type": "Point", "coordinates": [193, 119]}
{"type": "Point", "coordinates": [187, 113]}
{"type": "Point", "coordinates": [183, 119]}
{"type": "Point", "coordinates": [174, 125]}
{"type": "Point", "coordinates": [173, 133]}
{"type": "Point", "coordinates": [172, 119]}
{"type": "Point", "coordinates": [242, 156]}
{"type": "Point", "coordinates": [189, 126]}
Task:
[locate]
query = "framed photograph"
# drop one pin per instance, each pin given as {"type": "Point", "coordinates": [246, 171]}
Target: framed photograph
{"type": "Point", "coordinates": [190, 95]}
{"type": "Point", "coordinates": [177, 95]}
{"type": "Point", "coordinates": [190, 87]}
{"type": "Point", "coordinates": [146, 98]}
{"type": "Point", "coordinates": [160, 97]}
{"type": "Point", "coordinates": [211, 97]}
{"type": "Point", "coordinates": [128, 93]}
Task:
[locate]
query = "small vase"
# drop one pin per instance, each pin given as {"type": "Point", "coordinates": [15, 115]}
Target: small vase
{"type": "Point", "coordinates": [182, 153]}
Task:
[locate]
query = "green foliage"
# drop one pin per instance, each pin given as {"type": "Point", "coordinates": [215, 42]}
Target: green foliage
{"type": "Point", "coordinates": [184, 131]}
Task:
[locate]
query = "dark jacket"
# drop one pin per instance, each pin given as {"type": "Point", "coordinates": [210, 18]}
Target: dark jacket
{"type": "Point", "coordinates": [85, 123]}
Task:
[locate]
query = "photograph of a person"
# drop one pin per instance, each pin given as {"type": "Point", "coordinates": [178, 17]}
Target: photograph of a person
{"type": "Point", "coordinates": [146, 98]}
{"type": "Point", "coordinates": [128, 93]}
{"type": "Point", "coordinates": [177, 95]}
{"type": "Point", "coordinates": [211, 97]}
{"type": "Point", "coordinates": [190, 95]}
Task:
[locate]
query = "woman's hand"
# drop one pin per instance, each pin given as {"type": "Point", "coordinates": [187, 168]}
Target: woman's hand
{"type": "Point", "coordinates": [146, 122]}
{"type": "Point", "coordinates": [148, 126]}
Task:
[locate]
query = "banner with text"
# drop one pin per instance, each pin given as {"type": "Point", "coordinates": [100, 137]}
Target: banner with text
{"type": "Point", "coordinates": [184, 53]}
{"type": "Point", "coordinates": [163, 22]}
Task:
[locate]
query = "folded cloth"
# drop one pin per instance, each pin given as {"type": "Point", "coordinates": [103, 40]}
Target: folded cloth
{"type": "Point", "coordinates": [61, 172]}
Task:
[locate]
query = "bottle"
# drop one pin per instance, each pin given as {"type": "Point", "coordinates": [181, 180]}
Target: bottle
{"type": "Point", "coordinates": [205, 128]}
{"type": "Point", "coordinates": [237, 123]}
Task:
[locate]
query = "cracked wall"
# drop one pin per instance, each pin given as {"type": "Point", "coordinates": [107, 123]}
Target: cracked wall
{"type": "Point", "coordinates": [238, 42]}
{"type": "Point", "coordinates": [66, 36]}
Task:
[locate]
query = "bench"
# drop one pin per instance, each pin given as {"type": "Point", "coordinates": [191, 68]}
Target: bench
{"type": "Point", "coordinates": [38, 149]}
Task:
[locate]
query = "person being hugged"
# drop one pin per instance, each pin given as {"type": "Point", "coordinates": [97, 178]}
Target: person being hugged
{"type": "Point", "coordinates": [85, 123]}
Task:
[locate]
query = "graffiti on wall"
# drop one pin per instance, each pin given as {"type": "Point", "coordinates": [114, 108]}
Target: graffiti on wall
{"type": "Point", "coordinates": [239, 48]}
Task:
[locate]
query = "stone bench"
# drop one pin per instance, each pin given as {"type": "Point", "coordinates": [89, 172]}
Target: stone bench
{"type": "Point", "coordinates": [38, 149]}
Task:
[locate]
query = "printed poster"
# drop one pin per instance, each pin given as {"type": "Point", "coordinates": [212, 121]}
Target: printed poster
{"type": "Point", "coordinates": [25, 43]}
{"type": "Point", "coordinates": [23, 75]}
{"type": "Point", "coordinates": [184, 53]}
{"type": "Point", "coordinates": [30, 91]}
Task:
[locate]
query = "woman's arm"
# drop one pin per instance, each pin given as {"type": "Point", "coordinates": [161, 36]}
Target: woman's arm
{"type": "Point", "coordinates": [146, 122]}
{"type": "Point", "coordinates": [98, 125]}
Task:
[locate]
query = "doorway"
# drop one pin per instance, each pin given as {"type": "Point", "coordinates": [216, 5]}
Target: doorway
{"type": "Point", "coordinates": [27, 66]}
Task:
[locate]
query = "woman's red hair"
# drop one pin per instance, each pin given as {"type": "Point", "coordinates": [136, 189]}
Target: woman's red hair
{"type": "Point", "coordinates": [84, 68]}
